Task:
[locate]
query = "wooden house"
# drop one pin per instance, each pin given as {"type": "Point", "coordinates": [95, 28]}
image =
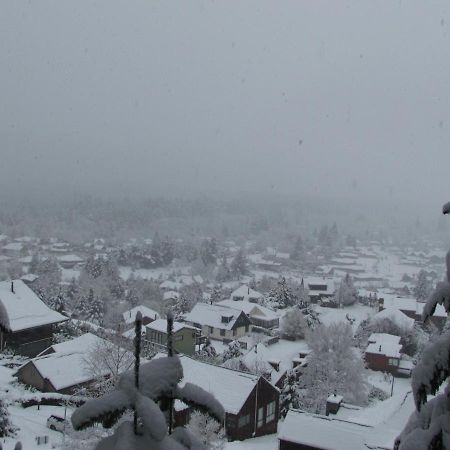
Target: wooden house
{"type": "Point", "coordinates": [251, 403]}
{"type": "Point", "coordinates": [26, 323]}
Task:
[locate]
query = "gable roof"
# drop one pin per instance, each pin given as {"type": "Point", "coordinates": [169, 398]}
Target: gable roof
{"type": "Point", "coordinates": [63, 365]}
{"type": "Point", "coordinates": [249, 308]}
{"type": "Point", "coordinates": [324, 432]}
{"type": "Point", "coordinates": [161, 326]}
{"type": "Point", "coordinates": [211, 315]}
{"type": "Point", "coordinates": [245, 292]}
{"type": "Point", "coordinates": [130, 315]}
{"type": "Point", "coordinates": [384, 344]}
{"type": "Point", "coordinates": [399, 318]}
{"type": "Point", "coordinates": [230, 387]}
{"type": "Point", "coordinates": [23, 309]}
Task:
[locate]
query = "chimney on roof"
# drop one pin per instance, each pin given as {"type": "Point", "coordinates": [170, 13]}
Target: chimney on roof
{"type": "Point", "coordinates": [380, 349]}
{"type": "Point", "coordinates": [12, 287]}
{"type": "Point", "coordinates": [248, 290]}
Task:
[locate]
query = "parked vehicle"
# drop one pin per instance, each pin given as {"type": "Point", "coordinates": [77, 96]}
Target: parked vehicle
{"type": "Point", "coordinates": [57, 423]}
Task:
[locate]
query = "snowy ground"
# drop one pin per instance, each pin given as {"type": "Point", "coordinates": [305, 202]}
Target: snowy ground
{"type": "Point", "coordinates": [262, 443]}
{"type": "Point", "coordinates": [334, 315]}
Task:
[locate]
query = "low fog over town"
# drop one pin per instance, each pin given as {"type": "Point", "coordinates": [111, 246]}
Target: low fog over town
{"type": "Point", "coordinates": [224, 225]}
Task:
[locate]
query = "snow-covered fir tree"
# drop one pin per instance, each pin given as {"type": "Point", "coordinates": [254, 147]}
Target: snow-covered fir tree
{"type": "Point", "coordinates": [216, 293]}
{"type": "Point", "coordinates": [95, 309]}
{"type": "Point", "coordinates": [298, 251]}
{"type": "Point", "coordinates": [6, 427]}
{"type": "Point", "coordinates": [223, 271]}
{"type": "Point", "coordinates": [239, 265]}
{"type": "Point", "coordinates": [302, 295]}
{"type": "Point", "coordinates": [423, 287]}
{"type": "Point", "coordinates": [346, 294]}
{"type": "Point", "coordinates": [232, 351]}
{"type": "Point", "coordinates": [282, 295]}
{"type": "Point", "coordinates": [289, 397]}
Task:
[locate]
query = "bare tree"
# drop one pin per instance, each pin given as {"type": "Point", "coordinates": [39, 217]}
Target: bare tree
{"type": "Point", "coordinates": [107, 359]}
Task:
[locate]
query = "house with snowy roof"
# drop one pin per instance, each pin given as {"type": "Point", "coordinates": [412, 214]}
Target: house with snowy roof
{"type": "Point", "coordinates": [251, 402]}
{"type": "Point", "coordinates": [69, 261]}
{"type": "Point", "coordinates": [413, 309]}
{"type": "Point", "coordinates": [347, 427]}
{"type": "Point", "coordinates": [384, 353]}
{"type": "Point", "coordinates": [148, 316]}
{"type": "Point", "coordinates": [219, 322]}
{"type": "Point", "coordinates": [245, 293]}
{"type": "Point", "coordinates": [320, 288]}
{"type": "Point", "coordinates": [185, 337]}
{"type": "Point", "coordinates": [259, 315]}
{"type": "Point", "coordinates": [61, 367]}
{"type": "Point", "coordinates": [26, 323]}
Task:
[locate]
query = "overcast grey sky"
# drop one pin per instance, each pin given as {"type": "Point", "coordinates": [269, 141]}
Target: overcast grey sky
{"type": "Point", "coordinates": [337, 98]}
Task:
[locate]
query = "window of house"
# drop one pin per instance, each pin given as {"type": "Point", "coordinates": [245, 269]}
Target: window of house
{"type": "Point", "coordinates": [243, 421]}
{"type": "Point", "coordinates": [270, 413]}
{"type": "Point", "coordinates": [260, 417]}
{"type": "Point", "coordinates": [234, 332]}
{"type": "Point", "coordinates": [179, 338]}
{"type": "Point", "coordinates": [211, 330]}
{"type": "Point", "coordinates": [393, 362]}
{"type": "Point", "coordinates": [246, 328]}
{"type": "Point", "coordinates": [222, 332]}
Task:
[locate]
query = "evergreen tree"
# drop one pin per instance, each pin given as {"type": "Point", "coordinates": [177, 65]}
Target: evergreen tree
{"type": "Point", "coordinates": [298, 252]}
{"type": "Point", "coordinates": [282, 294]}
{"type": "Point", "coordinates": [239, 265]}
{"type": "Point", "coordinates": [422, 289]}
{"type": "Point", "coordinates": [96, 309]}
{"type": "Point", "coordinates": [216, 294]}
{"type": "Point", "coordinates": [346, 293]}
{"type": "Point", "coordinates": [302, 294]}
{"type": "Point", "coordinates": [223, 271]}
{"type": "Point", "coordinates": [289, 397]}
{"type": "Point", "coordinates": [6, 427]}
{"type": "Point", "coordinates": [232, 351]}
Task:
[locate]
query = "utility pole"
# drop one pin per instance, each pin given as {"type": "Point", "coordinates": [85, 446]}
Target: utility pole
{"type": "Point", "coordinates": [137, 360]}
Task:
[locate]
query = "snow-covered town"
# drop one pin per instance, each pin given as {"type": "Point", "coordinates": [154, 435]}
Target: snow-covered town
{"type": "Point", "coordinates": [224, 225]}
{"type": "Point", "coordinates": [321, 339]}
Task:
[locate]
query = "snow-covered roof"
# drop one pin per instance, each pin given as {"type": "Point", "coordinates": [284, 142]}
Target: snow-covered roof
{"type": "Point", "coordinates": [246, 293]}
{"type": "Point", "coordinates": [64, 364]}
{"type": "Point", "coordinates": [130, 315]}
{"type": "Point", "coordinates": [70, 258]}
{"type": "Point", "coordinates": [230, 387]}
{"type": "Point", "coordinates": [321, 431]}
{"type": "Point", "coordinates": [22, 309]}
{"type": "Point", "coordinates": [13, 246]}
{"type": "Point", "coordinates": [251, 309]}
{"type": "Point", "coordinates": [171, 295]}
{"type": "Point", "coordinates": [384, 344]}
{"type": "Point", "coordinates": [169, 284]}
{"type": "Point", "coordinates": [30, 277]}
{"type": "Point", "coordinates": [405, 304]}
{"type": "Point", "coordinates": [79, 344]}
{"type": "Point", "coordinates": [161, 326]}
{"type": "Point", "coordinates": [399, 318]}
{"type": "Point", "coordinates": [410, 304]}
{"type": "Point", "coordinates": [211, 315]}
